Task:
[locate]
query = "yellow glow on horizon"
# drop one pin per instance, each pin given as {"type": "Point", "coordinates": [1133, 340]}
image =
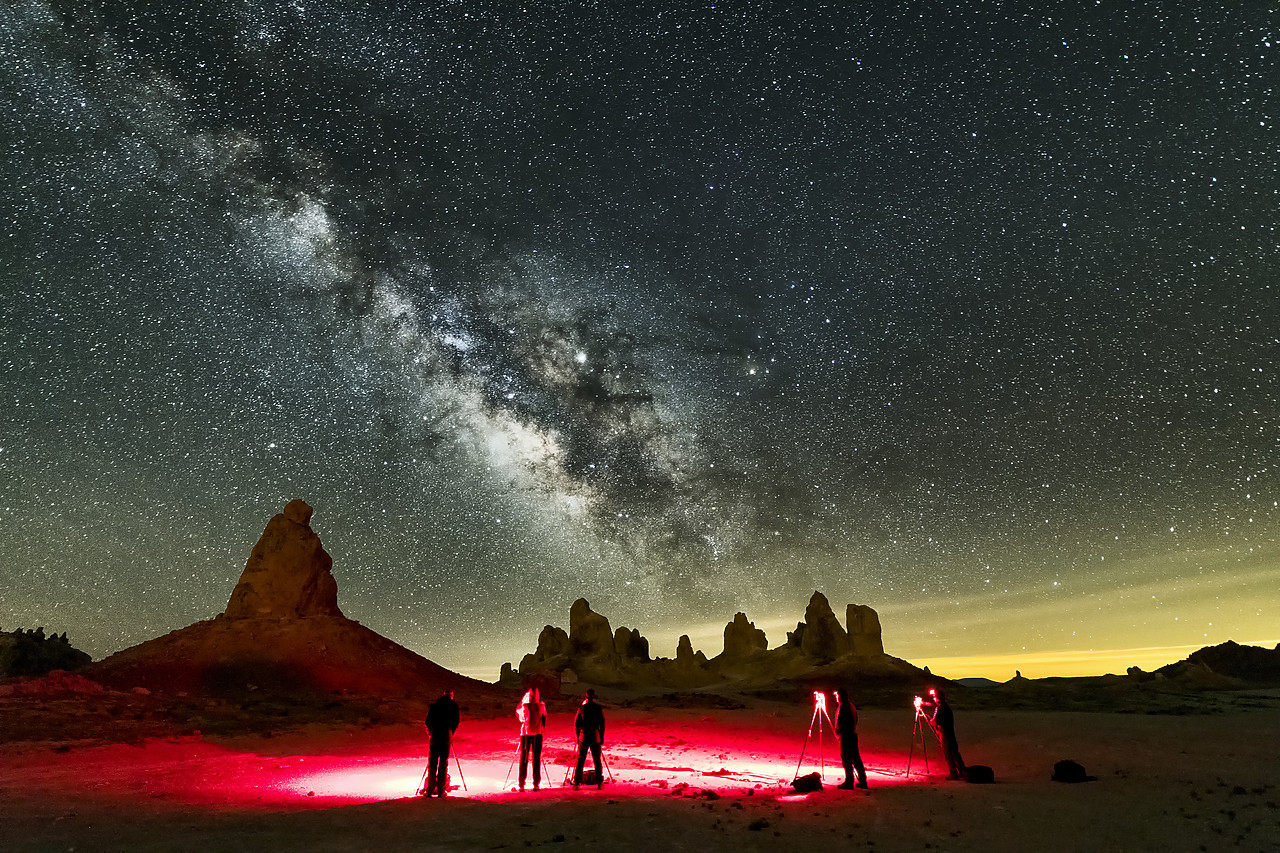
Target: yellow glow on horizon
{"type": "Point", "coordinates": [1062, 663]}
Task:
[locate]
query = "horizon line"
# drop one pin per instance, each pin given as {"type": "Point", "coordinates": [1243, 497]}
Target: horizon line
{"type": "Point", "coordinates": [1065, 663]}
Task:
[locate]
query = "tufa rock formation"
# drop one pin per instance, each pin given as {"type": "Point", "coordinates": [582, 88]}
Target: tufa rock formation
{"type": "Point", "coordinates": [742, 640]}
{"type": "Point", "coordinates": [796, 637]}
{"type": "Point", "coordinates": [591, 649]}
{"type": "Point", "coordinates": [282, 633]}
{"type": "Point", "coordinates": [822, 639]}
{"type": "Point", "coordinates": [819, 650]}
{"type": "Point", "coordinates": [630, 645]}
{"type": "Point", "coordinates": [593, 652]}
{"type": "Point", "coordinates": [864, 630]}
{"type": "Point", "coordinates": [552, 653]}
{"type": "Point", "coordinates": [289, 574]}
{"type": "Point", "coordinates": [32, 653]}
{"type": "Point", "coordinates": [686, 657]}
{"type": "Point", "coordinates": [590, 635]}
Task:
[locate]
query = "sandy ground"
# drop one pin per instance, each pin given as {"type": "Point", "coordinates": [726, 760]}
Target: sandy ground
{"type": "Point", "coordinates": [684, 779]}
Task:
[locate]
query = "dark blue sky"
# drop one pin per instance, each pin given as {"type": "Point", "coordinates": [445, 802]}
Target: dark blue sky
{"type": "Point", "coordinates": [684, 308]}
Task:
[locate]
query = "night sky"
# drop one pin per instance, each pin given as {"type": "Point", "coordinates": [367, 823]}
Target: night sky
{"type": "Point", "coordinates": [966, 311]}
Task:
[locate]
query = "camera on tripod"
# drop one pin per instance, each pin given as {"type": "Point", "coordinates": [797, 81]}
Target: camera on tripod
{"type": "Point", "coordinates": [922, 721]}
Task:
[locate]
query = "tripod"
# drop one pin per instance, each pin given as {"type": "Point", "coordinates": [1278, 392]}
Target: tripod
{"type": "Point", "coordinates": [922, 722]}
{"type": "Point", "coordinates": [819, 712]}
{"type": "Point", "coordinates": [422, 783]}
{"type": "Point", "coordinates": [512, 765]}
{"type": "Point", "coordinates": [458, 764]}
{"type": "Point", "coordinates": [571, 770]}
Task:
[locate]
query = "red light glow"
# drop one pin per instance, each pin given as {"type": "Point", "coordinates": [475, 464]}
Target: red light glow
{"type": "Point", "coordinates": [648, 755]}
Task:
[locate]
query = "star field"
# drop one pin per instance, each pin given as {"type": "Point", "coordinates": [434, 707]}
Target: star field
{"type": "Point", "coordinates": [965, 313]}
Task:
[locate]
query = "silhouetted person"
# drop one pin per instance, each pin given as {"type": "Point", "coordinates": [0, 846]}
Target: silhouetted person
{"type": "Point", "coordinates": [847, 731]}
{"type": "Point", "coordinates": [532, 712]}
{"type": "Point", "coordinates": [442, 721]}
{"type": "Point", "coordinates": [944, 725]}
{"type": "Point", "coordinates": [589, 725]}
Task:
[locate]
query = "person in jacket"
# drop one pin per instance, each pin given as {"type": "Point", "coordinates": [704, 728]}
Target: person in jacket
{"type": "Point", "coordinates": [532, 713]}
{"type": "Point", "coordinates": [588, 724]}
{"type": "Point", "coordinates": [944, 725]}
{"type": "Point", "coordinates": [442, 721]}
{"type": "Point", "coordinates": [847, 731]}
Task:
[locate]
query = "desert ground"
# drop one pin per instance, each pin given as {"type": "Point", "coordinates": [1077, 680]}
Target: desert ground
{"type": "Point", "coordinates": [688, 772]}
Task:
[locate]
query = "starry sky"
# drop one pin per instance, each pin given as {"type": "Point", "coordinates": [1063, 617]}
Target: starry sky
{"type": "Point", "coordinates": [966, 311]}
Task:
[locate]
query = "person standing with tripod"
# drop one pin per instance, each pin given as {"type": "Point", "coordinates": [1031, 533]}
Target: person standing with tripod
{"type": "Point", "coordinates": [532, 713]}
{"type": "Point", "coordinates": [589, 725]}
{"type": "Point", "coordinates": [847, 730]}
{"type": "Point", "coordinates": [442, 721]}
{"type": "Point", "coordinates": [944, 726]}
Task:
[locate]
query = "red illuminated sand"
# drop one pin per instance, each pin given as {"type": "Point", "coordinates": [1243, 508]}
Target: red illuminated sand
{"type": "Point", "coordinates": [683, 780]}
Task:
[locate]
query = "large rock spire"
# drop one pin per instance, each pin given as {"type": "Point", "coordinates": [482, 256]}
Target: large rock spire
{"type": "Point", "coordinates": [289, 574]}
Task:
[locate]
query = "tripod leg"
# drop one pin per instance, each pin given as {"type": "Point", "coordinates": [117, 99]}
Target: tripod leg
{"type": "Point", "coordinates": [796, 775]}
{"type": "Point", "coordinates": [511, 766]}
{"type": "Point", "coordinates": [458, 764]}
{"type": "Point", "coordinates": [822, 759]}
{"type": "Point", "coordinates": [822, 753]}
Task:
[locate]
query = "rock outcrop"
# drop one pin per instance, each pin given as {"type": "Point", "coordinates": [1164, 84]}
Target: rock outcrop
{"type": "Point", "coordinates": [24, 652]}
{"type": "Point", "coordinates": [1254, 664]}
{"type": "Point", "coordinates": [686, 657]}
{"type": "Point", "coordinates": [282, 633]}
{"type": "Point", "coordinates": [289, 574]}
{"type": "Point", "coordinates": [508, 677]}
{"type": "Point", "coordinates": [553, 651]}
{"type": "Point", "coordinates": [742, 640]}
{"type": "Point", "coordinates": [591, 649]}
{"type": "Point", "coordinates": [1225, 666]}
{"type": "Point", "coordinates": [863, 624]}
{"type": "Point", "coordinates": [796, 638]}
{"type": "Point", "coordinates": [630, 645]}
{"type": "Point", "coordinates": [823, 639]}
{"type": "Point", "coordinates": [590, 634]}
{"type": "Point", "coordinates": [592, 652]}
{"type": "Point", "coordinates": [820, 649]}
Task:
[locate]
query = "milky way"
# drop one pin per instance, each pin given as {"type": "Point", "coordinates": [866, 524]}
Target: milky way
{"type": "Point", "coordinates": [686, 308]}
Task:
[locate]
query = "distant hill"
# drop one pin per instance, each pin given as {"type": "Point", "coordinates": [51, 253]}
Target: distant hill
{"type": "Point", "coordinates": [1227, 664]}
{"type": "Point", "coordinates": [308, 655]}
